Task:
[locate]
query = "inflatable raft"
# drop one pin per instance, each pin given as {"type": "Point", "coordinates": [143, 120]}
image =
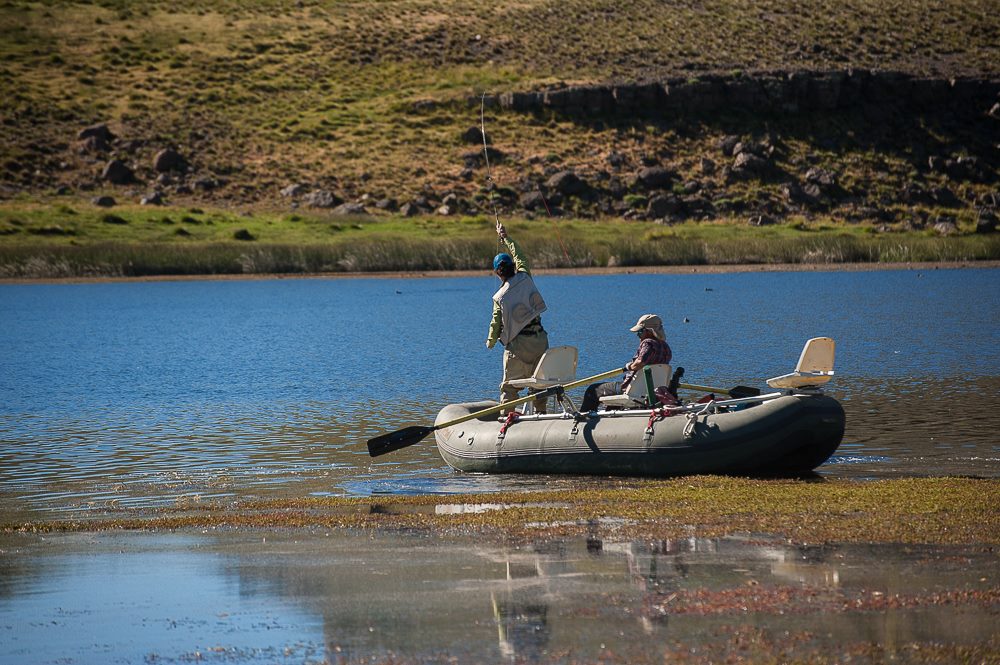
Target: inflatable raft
{"type": "Point", "coordinates": [645, 431]}
{"type": "Point", "coordinates": [792, 430]}
{"type": "Point", "coordinates": [779, 434]}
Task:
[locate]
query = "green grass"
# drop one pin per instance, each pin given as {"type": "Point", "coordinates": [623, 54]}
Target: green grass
{"type": "Point", "coordinates": [262, 94]}
{"type": "Point", "coordinates": [41, 241]}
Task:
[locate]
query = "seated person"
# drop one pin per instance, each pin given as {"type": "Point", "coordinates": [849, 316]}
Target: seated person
{"type": "Point", "coordinates": [653, 350]}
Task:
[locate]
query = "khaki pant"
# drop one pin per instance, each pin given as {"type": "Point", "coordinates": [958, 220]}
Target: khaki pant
{"type": "Point", "coordinates": [519, 361]}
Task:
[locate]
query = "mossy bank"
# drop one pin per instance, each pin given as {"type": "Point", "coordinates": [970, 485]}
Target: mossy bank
{"type": "Point", "coordinates": [917, 510]}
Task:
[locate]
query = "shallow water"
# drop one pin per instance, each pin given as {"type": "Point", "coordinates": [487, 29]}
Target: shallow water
{"type": "Point", "coordinates": [144, 394]}
{"type": "Point", "coordinates": [317, 597]}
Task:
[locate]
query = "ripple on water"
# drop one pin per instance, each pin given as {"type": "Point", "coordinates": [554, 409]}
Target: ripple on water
{"type": "Point", "coordinates": [148, 394]}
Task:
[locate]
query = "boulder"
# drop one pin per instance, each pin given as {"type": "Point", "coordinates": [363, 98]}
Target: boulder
{"type": "Point", "coordinates": [747, 163]}
{"type": "Point", "coordinates": [663, 206]}
{"type": "Point", "coordinates": [93, 144]}
{"type": "Point", "coordinates": [616, 159]}
{"type": "Point", "coordinates": [474, 135]}
{"type": "Point", "coordinates": [345, 209]}
{"type": "Point", "coordinates": [322, 198]}
{"type": "Point", "coordinates": [821, 177]}
{"type": "Point", "coordinates": [152, 199]}
{"type": "Point", "coordinates": [409, 210]}
{"type": "Point", "coordinates": [707, 166]}
{"type": "Point", "coordinates": [945, 197]}
{"type": "Point", "coordinates": [567, 183]}
{"type": "Point", "coordinates": [945, 227]}
{"type": "Point", "coordinates": [987, 222]}
{"type": "Point", "coordinates": [389, 204]}
{"type": "Point", "coordinates": [103, 201]}
{"type": "Point", "coordinates": [205, 184]}
{"type": "Point", "coordinates": [654, 177]}
{"type": "Point", "coordinates": [914, 194]}
{"type": "Point", "coordinates": [169, 160]}
{"type": "Point", "coordinates": [745, 146]}
{"type": "Point", "coordinates": [99, 131]}
{"type": "Point", "coordinates": [727, 144]}
{"type": "Point", "coordinates": [760, 220]}
{"type": "Point", "coordinates": [293, 190]}
{"type": "Point", "coordinates": [118, 173]}
{"type": "Point", "coordinates": [533, 200]}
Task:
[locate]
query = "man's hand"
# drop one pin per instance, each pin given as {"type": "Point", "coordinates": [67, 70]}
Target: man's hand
{"type": "Point", "coordinates": [501, 231]}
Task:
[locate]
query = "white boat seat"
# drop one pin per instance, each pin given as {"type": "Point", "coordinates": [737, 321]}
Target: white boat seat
{"type": "Point", "coordinates": [557, 366]}
{"type": "Point", "coordinates": [815, 366]}
{"type": "Point", "coordinates": [635, 395]}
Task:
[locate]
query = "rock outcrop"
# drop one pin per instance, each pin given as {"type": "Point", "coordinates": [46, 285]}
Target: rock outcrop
{"type": "Point", "coordinates": [774, 92]}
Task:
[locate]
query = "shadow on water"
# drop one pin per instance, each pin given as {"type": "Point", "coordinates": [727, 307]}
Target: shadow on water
{"type": "Point", "coordinates": [143, 598]}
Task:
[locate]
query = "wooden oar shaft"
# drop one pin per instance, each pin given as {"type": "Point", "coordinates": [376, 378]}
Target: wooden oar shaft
{"type": "Point", "coordinates": [528, 398]}
{"type": "Point", "coordinates": [408, 436]}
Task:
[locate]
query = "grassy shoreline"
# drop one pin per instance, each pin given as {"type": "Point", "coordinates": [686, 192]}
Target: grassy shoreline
{"type": "Point", "coordinates": [40, 241]}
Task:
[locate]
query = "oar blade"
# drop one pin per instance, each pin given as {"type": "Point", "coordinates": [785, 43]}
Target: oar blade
{"type": "Point", "coordinates": [386, 443]}
{"type": "Point", "coordinates": [737, 392]}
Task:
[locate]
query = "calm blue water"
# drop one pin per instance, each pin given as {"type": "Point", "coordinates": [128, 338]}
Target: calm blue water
{"type": "Point", "coordinates": [164, 392]}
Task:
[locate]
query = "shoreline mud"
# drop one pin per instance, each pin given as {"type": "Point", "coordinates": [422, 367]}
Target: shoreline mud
{"type": "Point", "coordinates": [712, 269]}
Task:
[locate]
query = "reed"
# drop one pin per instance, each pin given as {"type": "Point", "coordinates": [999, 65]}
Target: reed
{"type": "Point", "coordinates": [401, 254]}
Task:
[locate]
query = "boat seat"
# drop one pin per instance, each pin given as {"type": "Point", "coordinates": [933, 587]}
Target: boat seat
{"type": "Point", "coordinates": [557, 366]}
{"type": "Point", "coordinates": [635, 396]}
{"type": "Point", "coordinates": [815, 366]}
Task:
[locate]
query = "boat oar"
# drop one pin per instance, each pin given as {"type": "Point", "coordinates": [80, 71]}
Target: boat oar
{"type": "Point", "coordinates": [735, 392]}
{"type": "Point", "coordinates": [386, 443]}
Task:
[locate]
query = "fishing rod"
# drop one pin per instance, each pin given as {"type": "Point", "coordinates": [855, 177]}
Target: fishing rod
{"type": "Point", "coordinates": [491, 183]}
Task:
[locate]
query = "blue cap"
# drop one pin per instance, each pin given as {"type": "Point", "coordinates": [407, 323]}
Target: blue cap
{"type": "Point", "coordinates": [501, 259]}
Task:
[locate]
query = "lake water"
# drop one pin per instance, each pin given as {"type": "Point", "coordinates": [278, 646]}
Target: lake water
{"type": "Point", "coordinates": [160, 393]}
{"type": "Point", "coordinates": [407, 598]}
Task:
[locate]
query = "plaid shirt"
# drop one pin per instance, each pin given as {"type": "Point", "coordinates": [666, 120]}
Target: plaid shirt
{"type": "Point", "coordinates": [651, 352]}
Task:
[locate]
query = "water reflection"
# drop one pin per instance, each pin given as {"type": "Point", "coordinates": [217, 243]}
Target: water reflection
{"type": "Point", "coordinates": [351, 597]}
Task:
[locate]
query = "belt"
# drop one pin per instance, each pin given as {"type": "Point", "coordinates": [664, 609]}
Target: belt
{"type": "Point", "coordinates": [532, 331]}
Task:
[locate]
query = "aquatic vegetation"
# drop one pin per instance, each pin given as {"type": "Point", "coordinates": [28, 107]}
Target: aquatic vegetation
{"type": "Point", "coordinates": [917, 510]}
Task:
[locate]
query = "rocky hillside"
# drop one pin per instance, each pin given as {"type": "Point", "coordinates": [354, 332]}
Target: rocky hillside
{"type": "Point", "coordinates": [882, 112]}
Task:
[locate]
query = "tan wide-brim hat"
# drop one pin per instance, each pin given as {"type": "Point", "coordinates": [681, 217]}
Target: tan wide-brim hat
{"type": "Point", "coordinates": [649, 322]}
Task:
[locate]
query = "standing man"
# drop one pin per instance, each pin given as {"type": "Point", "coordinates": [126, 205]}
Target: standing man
{"type": "Point", "coordinates": [653, 350]}
{"type": "Point", "coordinates": [517, 324]}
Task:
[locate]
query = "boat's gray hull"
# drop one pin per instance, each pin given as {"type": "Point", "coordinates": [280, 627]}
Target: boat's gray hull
{"type": "Point", "coordinates": [790, 434]}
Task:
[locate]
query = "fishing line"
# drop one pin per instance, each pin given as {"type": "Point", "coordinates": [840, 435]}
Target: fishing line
{"type": "Point", "coordinates": [491, 184]}
{"type": "Point", "coordinates": [555, 226]}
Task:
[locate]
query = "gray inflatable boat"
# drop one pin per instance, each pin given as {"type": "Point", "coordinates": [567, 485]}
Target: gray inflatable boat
{"type": "Point", "coordinates": [778, 435]}
{"type": "Point", "coordinates": [792, 430]}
